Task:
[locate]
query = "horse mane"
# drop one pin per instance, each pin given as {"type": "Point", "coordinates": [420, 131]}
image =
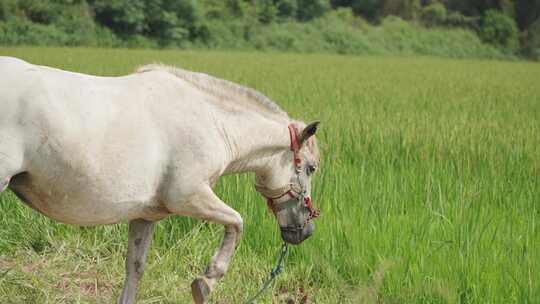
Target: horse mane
{"type": "Point", "coordinates": [224, 89]}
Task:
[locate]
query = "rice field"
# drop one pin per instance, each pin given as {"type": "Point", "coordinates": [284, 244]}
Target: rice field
{"type": "Point", "coordinates": [429, 190]}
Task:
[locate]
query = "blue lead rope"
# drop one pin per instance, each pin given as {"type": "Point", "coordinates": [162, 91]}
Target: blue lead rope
{"type": "Point", "coordinates": [273, 274]}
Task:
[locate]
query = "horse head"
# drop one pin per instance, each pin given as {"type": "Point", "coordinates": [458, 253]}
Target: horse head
{"type": "Point", "coordinates": [287, 185]}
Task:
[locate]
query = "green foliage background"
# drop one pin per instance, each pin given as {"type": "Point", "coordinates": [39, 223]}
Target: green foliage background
{"type": "Point", "coordinates": [456, 28]}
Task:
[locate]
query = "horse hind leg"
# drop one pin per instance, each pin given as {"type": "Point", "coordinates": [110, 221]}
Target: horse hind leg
{"type": "Point", "coordinates": [139, 240]}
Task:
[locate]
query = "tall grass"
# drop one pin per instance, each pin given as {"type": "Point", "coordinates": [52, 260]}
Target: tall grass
{"type": "Point", "coordinates": [429, 190]}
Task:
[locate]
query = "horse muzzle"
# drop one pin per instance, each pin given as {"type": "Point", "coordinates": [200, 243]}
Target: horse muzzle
{"type": "Point", "coordinates": [296, 235]}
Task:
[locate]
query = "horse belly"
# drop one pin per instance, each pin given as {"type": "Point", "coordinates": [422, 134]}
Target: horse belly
{"type": "Point", "coordinates": [85, 207]}
{"type": "Point", "coordinates": [87, 197]}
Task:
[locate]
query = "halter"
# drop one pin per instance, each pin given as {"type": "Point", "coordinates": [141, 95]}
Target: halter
{"type": "Point", "coordinates": [293, 190]}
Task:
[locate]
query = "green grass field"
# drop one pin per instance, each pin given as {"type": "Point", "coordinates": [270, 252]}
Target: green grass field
{"type": "Point", "coordinates": [429, 190]}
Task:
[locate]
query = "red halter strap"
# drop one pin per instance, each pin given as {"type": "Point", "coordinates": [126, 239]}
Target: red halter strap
{"type": "Point", "coordinates": [295, 147]}
{"type": "Point", "coordinates": [313, 213]}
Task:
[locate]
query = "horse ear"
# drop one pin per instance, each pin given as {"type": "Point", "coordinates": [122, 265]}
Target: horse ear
{"type": "Point", "coordinates": [308, 131]}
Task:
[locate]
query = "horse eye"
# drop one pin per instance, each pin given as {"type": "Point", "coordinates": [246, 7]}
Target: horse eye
{"type": "Point", "coordinates": [311, 169]}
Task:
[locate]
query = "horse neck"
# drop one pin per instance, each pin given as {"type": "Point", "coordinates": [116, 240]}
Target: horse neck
{"type": "Point", "coordinates": [255, 142]}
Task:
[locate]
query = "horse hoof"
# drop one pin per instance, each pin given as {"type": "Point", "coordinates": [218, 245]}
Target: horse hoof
{"type": "Point", "coordinates": [200, 290]}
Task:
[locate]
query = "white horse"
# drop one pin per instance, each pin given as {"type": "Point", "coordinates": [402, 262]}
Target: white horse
{"type": "Point", "coordinates": [90, 150]}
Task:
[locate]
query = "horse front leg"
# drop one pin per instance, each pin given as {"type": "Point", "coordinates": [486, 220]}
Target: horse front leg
{"type": "Point", "coordinates": [139, 239]}
{"type": "Point", "coordinates": [207, 206]}
{"type": "Point", "coordinates": [203, 285]}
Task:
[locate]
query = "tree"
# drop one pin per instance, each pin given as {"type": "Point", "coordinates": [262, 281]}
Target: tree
{"type": "Point", "coordinates": [122, 16]}
{"type": "Point", "coordinates": [287, 8]}
{"type": "Point", "coordinates": [473, 7]}
{"type": "Point", "coordinates": [309, 9]}
{"type": "Point", "coordinates": [527, 12]}
{"type": "Point", "coordinates": [500, 30]}
{"type": "Point", "coordinates": [406, 9]}
{"type": "Point", "coordinates": [267, 11]}
{"type": "Point", "coordinates": [371, 9]}
{"type": "Point", "coordinates": [169, 20]}
{"type": "Point", "coordinates": [434, 14]}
